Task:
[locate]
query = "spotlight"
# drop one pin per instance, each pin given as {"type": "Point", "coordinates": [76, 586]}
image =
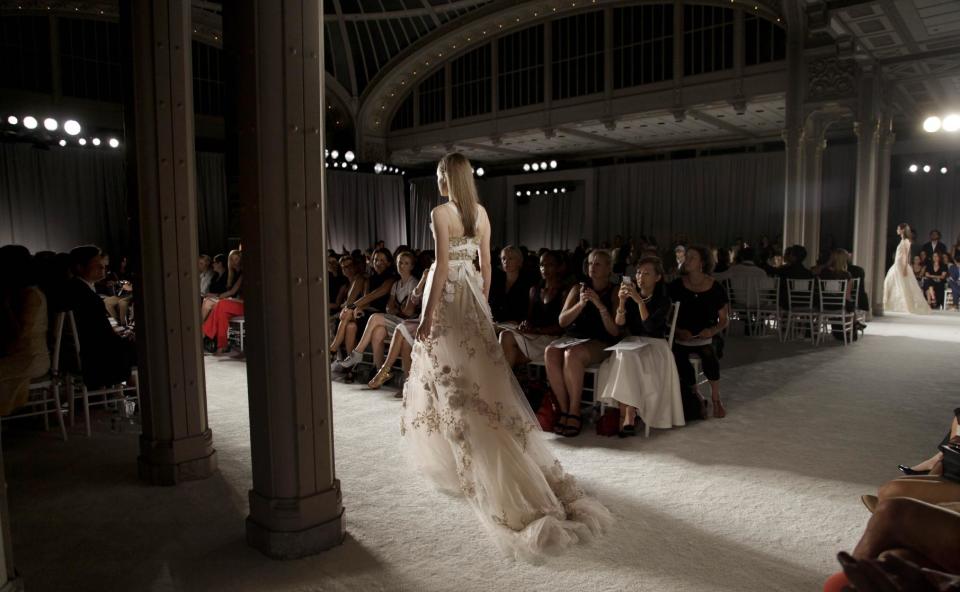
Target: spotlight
{"type": "Point", "coordinates": [537, 192]}
{"type": "Point", "coordinates": [535, 166]}
{"type": "Point", "coordinates": [543, 166]}
{"type": "Point", "coordinates": [82, 141]}
{"type": "Point", "coordinates": [526, 167]}
{"type": "Point", "coordinates": [528, 192]}
{"type": "Point", "coordinates": [354, 166]}
{"type": "Point", "coordinates": [30, 122]}
{"type": "Point", "coordinates": [931, 124]}
{"type": "Point", "coordinates": [563, 190]}
{"type": "Point", "coordinates": [480, 172]}
{"type": "Point", "coordinates": [378, 168]}
{"type": "Point", "coordinates": [943, 170]}
{"type": "Point", "coordinates": [12, 120]}
{"type": "Point", "coordinates": [951, 123]}
{"type": "Point", "coordinates": [71, 126]}
{"type": "Point", "coordinates": [926, 168]}
{"type": "Point", "coordinates": [62, 142]}
{"type": "Point", "coordinates": [349, 155]}
{"type": "Point", "coordinates": [95, 141]}
{"type": "Point", "coordinates": [913, 168]}
{"type": "Point", "coordinates": [114, 143]}
{"type": "Point", "coordinates": [519, 193]}
{"type": "Point", "coordinates": [555, 190]}
{"type": "Point", "coordinates": [50, 124]}
{"type": "Point", "coordinates": [326, 165]}
{"type": "Point", "coordinates": [553, 164]}
{"type": "Point", "coordinates": [326, 153]}
{"type": "Point", "coordinates": [335, 154]}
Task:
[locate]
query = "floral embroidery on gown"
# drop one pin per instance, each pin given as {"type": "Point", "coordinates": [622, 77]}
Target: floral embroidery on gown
{"type": "Point", "coordinates": [468, 426]}
{"type": "Point", "coordinates": [901, 292]}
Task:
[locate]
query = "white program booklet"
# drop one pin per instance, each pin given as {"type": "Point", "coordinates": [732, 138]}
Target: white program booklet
{"type": "Point", "coordinates": [628, 344]}
{"type": "Point", "coordinates": [567, 342]}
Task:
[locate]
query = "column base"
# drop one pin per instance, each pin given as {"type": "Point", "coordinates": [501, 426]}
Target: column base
{"type": "Point", "coordinates": [296, 544]}
{"type": "Point", "coordinates": [169, 463]}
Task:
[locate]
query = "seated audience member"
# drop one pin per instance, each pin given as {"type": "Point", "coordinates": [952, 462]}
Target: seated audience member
{"type": "Point", "coordinates": [703, 314]}
{"type": "Point", "coordinates": [116, 293]}
{"type": "Point", "coordinates": [745, 267]}
{"type": "Point", "coordinates": [510, 289]}
{"type": "Point", "coordinates": [229, 304]}
{"type": "Point", "coordinates": [206, 274]}
{"type": "Point", "coordinates": [723, 262]}
{"type": "Point", "coordinates": [935, 280]}
{"type": "Point", "coordinates": [792, 269]}
{"type": "Point", "coordinates": [106, 355]}
{"type": "Point", "coordinates": [382, 324]}
{"type": "Point", "coordinates": [23, 328]}
{"type": "Point", "coordinates": [857, 272]}
{"type": "Point", "coordinates": [402, 339]}
{"type": "Point", "coordinates": [232, 282]}
{"type": "Point", "coordinates": [935, 245]}
{"type": "Point", "coordinates": [644, 381]}
{"type": "Point", "coordinates": [908, 546]}
{"type": "Point", "coordinates": [955, 250]}
{"type": "Point", "coordinates": [355, 284]}
{"type": "Point", "coordinates": [920, 267]}
{"type": "Point", "coordinates": [586, 315]}
{"type": "Point", "coordinates": [356, 313]}
{"type": "Point", "coordinates": [218, 283]}
{"type": "Point", "coordinates": [337, 284]}
{"type": "Point", "coordinates": [541, 325]}
{"type": "Point", "coordinates": [953, 281]}
{"type": "Point", "coordinates": [679, 253]}
{"type": "Point", "coordinates": [836, 268]}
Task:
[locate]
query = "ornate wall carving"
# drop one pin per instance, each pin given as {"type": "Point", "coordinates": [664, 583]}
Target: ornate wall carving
{"type": "Point", "coordinates": [830, 78]}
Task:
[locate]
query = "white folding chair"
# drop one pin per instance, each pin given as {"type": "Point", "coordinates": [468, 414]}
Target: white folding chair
{"type": "Point", "coordinates": [800, 311]}
{"type": "Point", "coordinates": [740, 298]}
{"type": "Point", "coordinates": [45, 390]}
{"type": "Point", "coordinates": [766, 310]}
{"type": "Point", "coordinates": [236, 331]}
{"type": "Point", "coordinates": [110, 395]}
{"type": "Point", "coordinates": [833, 311]}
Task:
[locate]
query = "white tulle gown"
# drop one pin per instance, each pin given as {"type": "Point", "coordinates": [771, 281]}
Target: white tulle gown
{"type": "Point", "coordinates": [469, 427]}
{"type": "Point", "coordinates": [901, 292]}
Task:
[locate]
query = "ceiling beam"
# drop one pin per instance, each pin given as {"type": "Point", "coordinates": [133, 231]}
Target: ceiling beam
{"type": "Point", "coordinates": [433, 12]}
{"type": "Point", "coordinates": [720, 124]}
{"type": "Point", "coordinates": [923, 55]}
{"type": "Point", "coordinates": [497, 149]}
{"type": "Point", "coordinates": [596, 137]}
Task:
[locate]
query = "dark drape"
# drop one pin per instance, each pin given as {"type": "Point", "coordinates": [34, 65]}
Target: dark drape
{"type": "Point", "coordinates": [925, 201]}
{"type": "Point", "coordinates": [364, 207]}
{"type": "Point", "coordinates": [711, 200]}
{"type": "Point", "coordinates": [424, 196]}
{"type": "Point", "coordinates": [839, 185]}
{"type": "Point", "coordinates": [55, 199]}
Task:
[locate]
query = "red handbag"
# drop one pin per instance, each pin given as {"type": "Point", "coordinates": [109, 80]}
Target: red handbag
{"type": "Point", "coordinates": [609, 423]}
{"type": "Point", "coordinates": [548, 412]}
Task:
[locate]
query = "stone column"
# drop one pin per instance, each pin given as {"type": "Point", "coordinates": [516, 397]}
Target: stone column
{"type": "Point", "coordinates": [295, 503]}
{"type": "Point", "coordinates": [813, 146]}
{"type": "Point", "coordinates": [865, 231]}
{"type": "Point", "coordinates": [176, 443]}
{"type": "Point", "coordinates": [887, 138]}
{"type": "Point", "coordinates": [793, 207]}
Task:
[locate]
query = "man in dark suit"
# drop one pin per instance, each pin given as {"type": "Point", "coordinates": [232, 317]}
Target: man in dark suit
{"type": "Point", "coordinates": [934, 246]}
{"type": "Point", "coordinates": [105, 355]}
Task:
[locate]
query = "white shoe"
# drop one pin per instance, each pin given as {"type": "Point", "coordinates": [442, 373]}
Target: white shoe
{"type": "Point", "coordinates": [337, 366]}
{"type": "Point", "coordinates": [352, 360]}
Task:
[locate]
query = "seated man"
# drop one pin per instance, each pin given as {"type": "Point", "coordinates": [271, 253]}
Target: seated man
{"type": "Point", "coordinates": [105, 354]}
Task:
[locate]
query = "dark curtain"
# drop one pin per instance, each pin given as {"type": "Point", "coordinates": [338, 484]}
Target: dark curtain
{"type": "Point", "coordinates": [711, 200]}
{"type": "Point", "coordinates": [925, 201]}
{"type": "Point", "coordinates": [839, 186]}
{"type": "Point", "coordinates": [55, 199]}
{"type": "Point", "coordinates": [424, 196]}
{"type": "Point", "coordinates": [364, 207]}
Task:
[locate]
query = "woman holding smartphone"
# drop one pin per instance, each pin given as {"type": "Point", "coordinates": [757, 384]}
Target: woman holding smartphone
{"type": "Point", "coordinates": [643, 380]}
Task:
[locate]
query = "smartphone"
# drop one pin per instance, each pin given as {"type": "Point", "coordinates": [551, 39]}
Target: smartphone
{"type": "Point", "coordinates": [626, 281]}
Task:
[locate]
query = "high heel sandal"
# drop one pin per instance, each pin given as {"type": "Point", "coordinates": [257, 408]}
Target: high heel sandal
{"type": "Point", "coordinates": [910, 471]}
{"type": "Point", "coordinates": [718, 410]}
{"type": "Point", "coordinates": [382, 376]}
{"type": "Point", "coordinates": [570, 431]}
{"type": "Point", "coordinates": [870, 501]}
{"type": "Point", "coordinates": [558, 425]}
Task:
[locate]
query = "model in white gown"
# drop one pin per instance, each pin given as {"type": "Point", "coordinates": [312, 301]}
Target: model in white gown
{"type": "Point", "coordinates": [469, 427]}
{"type": "Point", "coordinates": [901, 292]}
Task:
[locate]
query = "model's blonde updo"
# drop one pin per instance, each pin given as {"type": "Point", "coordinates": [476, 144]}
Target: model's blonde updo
{"type": "Point", "coordinates": [458, 176]}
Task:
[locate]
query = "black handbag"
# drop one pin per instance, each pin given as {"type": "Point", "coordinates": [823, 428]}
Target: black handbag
{"type": "Point", "coordinates": [951, 461]}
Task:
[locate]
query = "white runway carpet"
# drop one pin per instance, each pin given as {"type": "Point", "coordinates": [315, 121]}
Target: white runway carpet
{"type": "Point", "coordinates": [761, 500]}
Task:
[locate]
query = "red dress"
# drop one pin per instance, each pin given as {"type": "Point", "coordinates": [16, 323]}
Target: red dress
{"type": "Point", "coordinates": [217, 323]}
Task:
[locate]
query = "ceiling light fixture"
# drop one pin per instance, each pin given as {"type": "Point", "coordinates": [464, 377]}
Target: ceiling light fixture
{"type": "Point", "coordinates": [30, 122]}
{"type": "Point", "coordinates": [95, 141]}
{"type": "Point", "coordinates": [50, 124]}
{"type": "Point", "coordinates": [72, 127]}
{"type": "Point", "coordinates": [114, 143]}
{"type": "Point", "coordinates": [951, 123]}
{"type": "Point", "coordinates": [12, 120]}
{"type": "Point", "coordinates": [926, 168]}
{"type": "Point", "coordinates": [913, 168]}
{"type": "Point", "coordinates": [82, 141]}
{"type": "Point", "coordinates": [349, 156]}
{"type": "Point", "coordinates": [480, 172]}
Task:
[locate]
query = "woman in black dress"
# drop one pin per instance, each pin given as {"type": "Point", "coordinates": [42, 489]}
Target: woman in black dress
{"type": "Point", "coordinates": [542, 323]}
{"type": "Point", "coordinates": [702, 315]}
{"type": "Point", "coordinates": [587, 314]}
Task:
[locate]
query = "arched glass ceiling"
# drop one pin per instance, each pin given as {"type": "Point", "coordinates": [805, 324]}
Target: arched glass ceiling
{"type": "Point", "coordinates": [362, 36]}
